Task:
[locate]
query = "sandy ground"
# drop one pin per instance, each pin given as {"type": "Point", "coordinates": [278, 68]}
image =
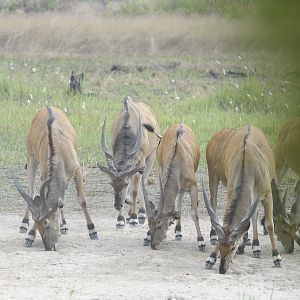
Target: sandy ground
{"type": "Point", "coordinates": [118, 266]}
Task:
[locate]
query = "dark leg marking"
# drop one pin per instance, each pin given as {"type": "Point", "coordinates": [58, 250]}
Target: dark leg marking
{"type": "Point", "coordinates": [92, 232]}
{"type": "Point", "coordinates": [30, 239]}
{"type": "Point", "coordinates": [24, 225]}
{"type": "Point", "coordinates": [142, 215]}
{"type": "Point", "coordinates": [178, 235]}
{"type": "Point", "coordinates": [256, 249]}
{"type": "Point", "coordinates": [213, 237]}
{"type": "Point", "coordinates": [211, 261]}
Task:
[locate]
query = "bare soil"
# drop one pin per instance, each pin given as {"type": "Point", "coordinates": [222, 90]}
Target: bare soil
{"type": "Point", "coordinates": [118, 266]}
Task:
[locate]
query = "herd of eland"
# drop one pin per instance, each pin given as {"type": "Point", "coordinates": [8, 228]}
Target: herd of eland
{"type": "Point", "coordinates": [241, 159]}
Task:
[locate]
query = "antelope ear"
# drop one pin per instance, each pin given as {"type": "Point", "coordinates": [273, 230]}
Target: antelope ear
{"type": "Point", "coordinates": [106, 170]}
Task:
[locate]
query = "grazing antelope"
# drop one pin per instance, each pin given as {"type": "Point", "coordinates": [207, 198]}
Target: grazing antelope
{"type": "Point", "coordinates": [215, 170]}
{"type": "Point", "coordinates": [75, 83]}
{"type": "Point", "coordinates": [51, 142]}
{"type": "Point", "coordinates": [287, 155]}
{"type": "Point", "coordinates": [245, 165]}
{"type": "Point", "coordinates": [178, 159]}
{"type": "Point", "coordinates": [133, 153]}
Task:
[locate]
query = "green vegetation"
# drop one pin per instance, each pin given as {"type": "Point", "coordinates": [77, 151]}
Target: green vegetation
{"type": "Point", "coordinates": [207, 71]}
{"type": "Point", "coordinates": [182, 92]}
{"type": "Point", "coordinates": [231, 8]}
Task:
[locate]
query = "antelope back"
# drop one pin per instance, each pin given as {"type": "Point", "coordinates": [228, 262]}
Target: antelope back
{"type": "Point", "coordinates": [248, 149]}
{"type": "Point", "coordinates": [64, 139]}
{"type": "Point", "coordinates": [287, 149]}
{"type": "Point", "coordinates": [215, 150]}
{"type": "Point", "coordinates": [125, 128]}
{"type": "Point", "coordinates": [187, 151]}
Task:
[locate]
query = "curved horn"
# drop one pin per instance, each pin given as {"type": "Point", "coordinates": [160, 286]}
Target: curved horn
{"type": "Point", "coordinates": [296, 206]}
{"type": "Point", "coordinates": [42, 189]}
{"type": "Point", "coordinates": [284, 210]}
{"type": "Point", "coordinates": [162, 199]}
{"type": "Point", "coordinates": [24, 195]}
{"type": "Point", "coordinates": [138, 142]}
{"type": "Point", "coordinates": [244, 224]}
{"type": "Point", "coordinates": [148, 204]}
{"type": "Point", "coordinates": [104, 144]}
{"type": "Point", "coordinates": [277, 204]}
{"type": "Point", "coordinates": [213, 217]}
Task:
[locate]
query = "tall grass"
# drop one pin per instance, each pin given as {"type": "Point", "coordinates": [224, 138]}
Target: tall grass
{"type": "Point", "coordinates": [179, 65]}
{"type": "Point", "coordinates": [90, 33]}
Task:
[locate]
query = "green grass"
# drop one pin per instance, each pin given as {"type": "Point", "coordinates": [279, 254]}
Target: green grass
{"type": "Point", "coordinates": [185, 94]}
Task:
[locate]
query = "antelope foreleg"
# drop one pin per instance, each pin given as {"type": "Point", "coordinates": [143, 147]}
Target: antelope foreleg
{"type": "Point", "coordinates": [213, 188]}
{"type": "Point", "coordinates": [133, 221]}
{"type": "Point", "coordinates": [178, 234]}
{"type": "Point", "coordinates": [195, 217]}
{"type": "Point", "coordinates": [83, 204]}
{"type": "Point", "coordinates": [268, 207]}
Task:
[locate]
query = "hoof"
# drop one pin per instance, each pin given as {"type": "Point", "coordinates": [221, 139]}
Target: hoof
{"type": "Point", "coordinates": [201, 244]}
{"type": "Point", "coordinates": [142, 220]}
{"type": "Point", "coordinates": [178, 237]}
{"type": "Point", "coordinates": [208, 265]}
{"type": "Point", "coordinates": [133, 223]}
{"type": "Point", "coordinates": [256, 254]}
{"type": "Point", "coordinates": [240, 251]}
{"type": "Point", "coordinates": [277, 259]}
{"type": "Point", "coordinates": [93, 236]}
{"type": "Point", "coordinates": [22, 229]}
{"type": "Point", "coordinates": [28, 242]}
{"type": "Point", "coordinates": [147, 239]}
{"type": "Point", "coordinates": [133, 220]}
{"type": "Point", "coordinates": [120, 226]}
{"type": "Point", "coordinates": [127, 220]}
{"type": "Point", "coordinates": [147, 242]}
{"type": "Point", "coordinates": [278, 263]}
{"type": "Point", "coordinates": [210, 262]}
{"type": "Point", "coordinates": [171, 222]}
{"type": "Point", "coordinates": [24, 225]}
{"type": "Point", "coordinates": [202, 247]}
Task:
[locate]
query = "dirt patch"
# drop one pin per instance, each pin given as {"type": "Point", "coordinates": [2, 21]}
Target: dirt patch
{"type": "Point", "coordinates": [118, 266]}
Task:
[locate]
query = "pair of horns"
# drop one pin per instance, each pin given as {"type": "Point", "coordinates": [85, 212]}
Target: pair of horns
{"type": "Point", "coordinates": [239, 229]}
{"type": "Point", "coordinates": [133, 152]}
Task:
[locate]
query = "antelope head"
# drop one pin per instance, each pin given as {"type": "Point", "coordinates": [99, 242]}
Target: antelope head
{"type": "Point", "coordinates": [121, 172]}
{"type": "Point", "coordinates": [158, 221]}
{"type": "Point", "coordinates": [228, 239]}
{"type": "Point", "coordinates": [46, 218]}
{"type": "Point", "coordinates": [286, 223]}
